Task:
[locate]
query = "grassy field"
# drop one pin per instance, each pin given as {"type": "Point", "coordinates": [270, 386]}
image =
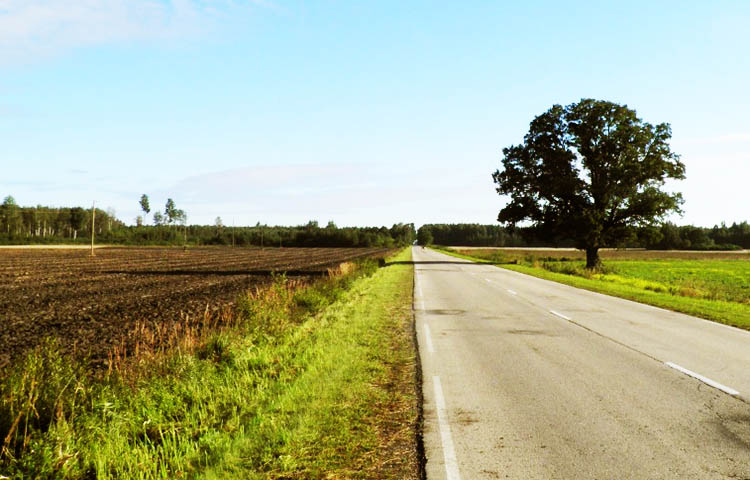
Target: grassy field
{"type": "Point", "coordinates": [711, 285]}
{"type": "Point", "coordinates": [314, 383]}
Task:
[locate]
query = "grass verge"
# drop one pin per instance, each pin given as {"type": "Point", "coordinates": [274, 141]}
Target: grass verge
{"type": "Point", "coordinates": [315, 383]}
{"type": "Point", "coordinates": [719, 297]}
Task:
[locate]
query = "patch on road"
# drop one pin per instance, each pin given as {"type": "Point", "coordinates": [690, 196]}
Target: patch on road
{"type": "Point", "coordinates": [531, 332]}
{"type": "Point", "coordinates": [445, 312]}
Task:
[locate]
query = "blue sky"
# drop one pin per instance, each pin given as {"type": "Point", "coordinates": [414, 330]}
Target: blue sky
{"type": "Point", "coordinates": [364, 113]}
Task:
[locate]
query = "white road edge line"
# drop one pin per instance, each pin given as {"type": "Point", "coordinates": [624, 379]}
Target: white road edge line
{"type": "Point", "coordinates": [449, 453]}
{"type": "Point", "coordinates": [419, 293]}
{"type": "Point", "coordinates": [703, 379]}
{"type": "Point", "coordinates": [428, 339]}
{"type": "Point", "coordinates": [512, 292]}
{"type": "Point", "coordinates": [560, 315]}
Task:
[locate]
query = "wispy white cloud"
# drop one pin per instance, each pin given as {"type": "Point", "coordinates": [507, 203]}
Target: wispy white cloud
{"type": "Point", "coordinates": [348, 193]}
{"type": "Point", "coordinates": [33, 28]}
{"type": "Point", "coordinates": [277, 179]}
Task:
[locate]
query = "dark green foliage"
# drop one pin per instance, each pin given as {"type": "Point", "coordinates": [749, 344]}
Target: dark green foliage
{"type": "Point", "coordinates": [77, 219]}
{"type": "Point", "coordinates": [666, 236]}
{"type": "Point", "coordinates": [20, 225]}
{"type": "Point", "coordinates": [669, 236]}
{"type": "Point", "coordinates": [43, 225]}
{"type": "Point", "coordinates": [144, 204]}
{"type": "Point", "coordinates": [591, 171]}
{"type": "Point", "coordinates": [424, 236]}
{"type": "Point", "coordinates": [476, 235]}
{"type": "Point", "coordinates": [170, 211]}
{"type": "Point", "coordinates": [736, 234]}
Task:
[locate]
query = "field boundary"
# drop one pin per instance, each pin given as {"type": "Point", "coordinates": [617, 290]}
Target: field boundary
{"type": "Point", "coordinates": [53, 247]}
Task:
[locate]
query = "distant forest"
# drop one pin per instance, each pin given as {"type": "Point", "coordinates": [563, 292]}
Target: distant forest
{"type": "Point", "coordinates": [667, 236]}
{"type": "Point", "coordinates": [50, 225]}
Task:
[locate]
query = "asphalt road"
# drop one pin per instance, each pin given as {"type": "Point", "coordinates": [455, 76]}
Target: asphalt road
{"type": "Point", "coordinates": [526, 378]}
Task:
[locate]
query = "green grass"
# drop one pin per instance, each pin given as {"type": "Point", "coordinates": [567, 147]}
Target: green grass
{"type": "Point", "coordinates": [319, 383]}
{"type": "Point", "coordinates": [727, 280]}
{"type": "Point", "coordinates": [717, 290]}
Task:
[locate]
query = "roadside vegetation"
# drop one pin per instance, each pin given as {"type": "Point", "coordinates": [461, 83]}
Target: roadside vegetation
{"type": "Point", "coordinates": [311, 381]}
{"type": "Point", "coordinates": [710, 285]}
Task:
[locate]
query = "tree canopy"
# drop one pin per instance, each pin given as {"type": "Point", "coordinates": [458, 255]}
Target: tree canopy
{"type": "Point", "coordinates": [145, 204]}
{"type": "Point", "coordinates": [592, 172]}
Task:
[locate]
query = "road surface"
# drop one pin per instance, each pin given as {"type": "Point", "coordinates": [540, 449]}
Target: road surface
{"type": "Point", "coordinates": [526, 378]}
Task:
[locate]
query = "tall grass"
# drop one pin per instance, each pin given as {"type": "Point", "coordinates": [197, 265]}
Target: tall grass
{"type": "Point", "coordinates": [249, 397]}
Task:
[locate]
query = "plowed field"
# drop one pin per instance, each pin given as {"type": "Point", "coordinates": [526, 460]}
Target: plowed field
{"type": "Point", "coordinates": [87, 303]}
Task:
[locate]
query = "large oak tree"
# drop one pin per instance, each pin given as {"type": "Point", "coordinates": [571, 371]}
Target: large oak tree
{"type": "Point", "coordinates": [591, 171]}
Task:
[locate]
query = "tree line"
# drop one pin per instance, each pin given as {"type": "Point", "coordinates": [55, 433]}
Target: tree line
{"type": "Point", "coordinates": [33, 225]}
{"type": "Point", "coordinates": [308, 235]}
{"type": "Point", "coordinates": [689, 237]}
{"type": "Point", "coordinates": [666, 236]}
{"type": "Point", "coordinates": [42, 224]}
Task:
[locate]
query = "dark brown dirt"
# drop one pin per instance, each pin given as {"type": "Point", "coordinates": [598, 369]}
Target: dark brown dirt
{"type": "Point", "coordinates": [88, 303]}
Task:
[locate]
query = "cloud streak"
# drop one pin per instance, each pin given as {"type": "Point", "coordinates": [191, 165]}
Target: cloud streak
{"type": "Point", "coordinates": [348, 193]}
{"type": "Point", "coordinates": [30, 29]}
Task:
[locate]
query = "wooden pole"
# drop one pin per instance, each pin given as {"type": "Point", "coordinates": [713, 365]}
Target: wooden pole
{"type": "Point", "coordinates": [93, 215]}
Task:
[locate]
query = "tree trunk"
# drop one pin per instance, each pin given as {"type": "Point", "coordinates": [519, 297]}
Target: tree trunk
{"type": "Point", "coordinates": [592, 258]}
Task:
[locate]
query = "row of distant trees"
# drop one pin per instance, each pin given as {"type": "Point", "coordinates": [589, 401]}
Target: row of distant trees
{"type": "Point", "coordinates": [25, 225]}
{"type": "Point", "coordinates": [42, 224]}
{"type": "Point", "coordinates": [308, 235]}
{"type": "Point", "coordinates": [689, 237]}
{"type": "Point", "coordinates": [666, 236]}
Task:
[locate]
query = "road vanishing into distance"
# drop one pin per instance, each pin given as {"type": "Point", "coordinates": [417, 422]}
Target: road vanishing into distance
{"type": "Point", "coordinates": [530, 379]}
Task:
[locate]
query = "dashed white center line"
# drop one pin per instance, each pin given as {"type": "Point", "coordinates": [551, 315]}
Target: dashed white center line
{"type": "Point", "coordinates": [703, 379]}
{"type": "Point", "coordinates": [449, 453]}
{"type": "Point", "coordinates": [512, 292]}
{"type": "Point", "coordinates": [428, 339]}
{"type": "Point", "coordinates": [559, 315]}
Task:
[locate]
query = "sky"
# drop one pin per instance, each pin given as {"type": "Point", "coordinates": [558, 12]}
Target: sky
{"type": "Point", "coordinates": [361, 113]}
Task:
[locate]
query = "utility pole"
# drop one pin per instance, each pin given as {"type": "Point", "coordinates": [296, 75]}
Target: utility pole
{"type": "Point", "coordinates": [233, 233]}
{"type": "Point", "coordinates": [93, 215]}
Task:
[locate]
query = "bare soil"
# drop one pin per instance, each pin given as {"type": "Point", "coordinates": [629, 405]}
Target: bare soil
{"type": "Point", "coordinates": [88, 303]}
